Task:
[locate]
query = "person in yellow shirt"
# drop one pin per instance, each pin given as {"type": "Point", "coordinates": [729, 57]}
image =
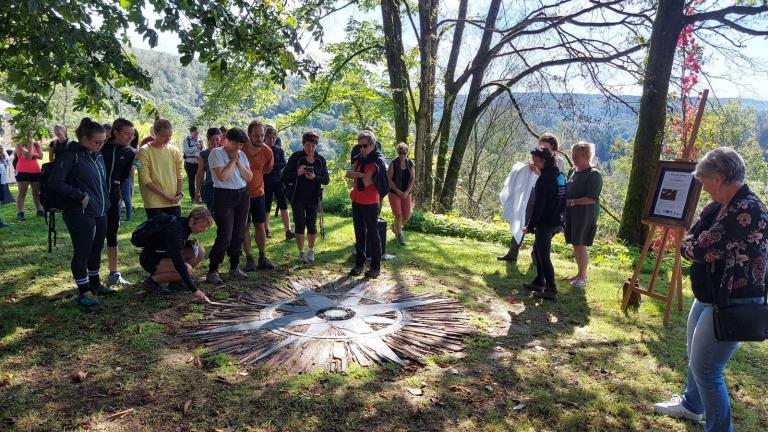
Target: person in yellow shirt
{"type": "Point", "coordinates": [161, 169]}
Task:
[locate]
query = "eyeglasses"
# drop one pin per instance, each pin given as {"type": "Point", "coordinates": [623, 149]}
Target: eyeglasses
{"type": "Point", "coordinates": [97, 142]}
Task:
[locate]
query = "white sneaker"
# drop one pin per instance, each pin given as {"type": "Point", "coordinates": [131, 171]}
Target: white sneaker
{"type": "Point", "coordinates": [311, 255]}
{"type": "Point", "coordinates": [674, 408]}
{"type": "Point", "coordinates": [302, 257]}
{"type": "Point", "coordinates": [579, 283]}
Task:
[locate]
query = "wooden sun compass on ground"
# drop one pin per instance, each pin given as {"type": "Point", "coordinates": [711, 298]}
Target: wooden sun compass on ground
{"type": "Point", "coordinates": [310, 324]}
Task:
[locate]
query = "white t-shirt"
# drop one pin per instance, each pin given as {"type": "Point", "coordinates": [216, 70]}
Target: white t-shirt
{"type": "Point", "coordinates": [218, 159]}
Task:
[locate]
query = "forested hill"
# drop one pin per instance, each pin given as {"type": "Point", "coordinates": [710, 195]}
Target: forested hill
{"type": "Point", "coordinates": [580, 116]}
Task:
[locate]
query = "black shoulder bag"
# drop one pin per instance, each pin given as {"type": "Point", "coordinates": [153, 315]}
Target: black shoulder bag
{"type": "Point", "coordinates": [738, 322]}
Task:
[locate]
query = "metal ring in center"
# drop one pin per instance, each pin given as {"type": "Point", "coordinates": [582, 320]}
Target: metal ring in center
{"type": "Point", "coordinates": [335, 313]}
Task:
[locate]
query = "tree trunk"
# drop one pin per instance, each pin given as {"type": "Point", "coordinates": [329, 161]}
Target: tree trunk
{"type": "Point", "coordinates": [670, 20]}
{"type": "Point", "coordinates": [424, 148]}
{"type": "Point", "coordinates": [398, 75]}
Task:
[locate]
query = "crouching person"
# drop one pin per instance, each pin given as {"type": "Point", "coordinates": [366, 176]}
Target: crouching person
{"type": "Point", "coordinates": [169, 256]}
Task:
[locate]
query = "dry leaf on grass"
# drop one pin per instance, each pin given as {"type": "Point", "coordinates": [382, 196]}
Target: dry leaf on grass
{"type": "Point", "coordinates": [415, 391]}
{"type": "Point", "coordinates": [187, 406]}
{"type": "Point", "coordinates": [5, 379]}
{"type": "Point", "coordinates": [79, 376]}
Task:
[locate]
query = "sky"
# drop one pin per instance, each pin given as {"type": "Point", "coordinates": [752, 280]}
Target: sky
{"type": "Point", "coordinates": [727, 80]}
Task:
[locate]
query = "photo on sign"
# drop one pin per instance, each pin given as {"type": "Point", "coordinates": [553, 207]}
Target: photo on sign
{"type": "Point", "coordinates": [674, 195]}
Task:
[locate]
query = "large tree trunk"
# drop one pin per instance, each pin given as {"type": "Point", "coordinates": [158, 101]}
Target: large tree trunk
{"type": "Point", "coordinates": [428, 41]}
{"type": "Point", "coordinates": [398, 74]}
{"type": "Point", "coordinates": [471, 110]}
{"type": "Point", "coordinates": [670, 20]}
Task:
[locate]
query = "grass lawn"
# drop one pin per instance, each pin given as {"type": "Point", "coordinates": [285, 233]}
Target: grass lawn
{"type": "Point", "coordinates": [576, 365]}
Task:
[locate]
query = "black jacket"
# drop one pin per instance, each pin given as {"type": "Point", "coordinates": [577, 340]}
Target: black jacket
{"type": "Point", "coordinates": [118, 161]}
{"type": "Point", "coordinates": [278, 156]}
{"type": "Point", "coordinates": [299, 189]}
{"type": "Point", "coordinates": [169, 243]}
{"type": "Point", "coordinates": [549, 199]}
{"type": "Point", "coordinates": [78, 172]}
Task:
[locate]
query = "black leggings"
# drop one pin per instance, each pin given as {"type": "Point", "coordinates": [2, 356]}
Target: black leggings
{"type": "Point", "coordinates": [365, 218]}
{"type": "Point", "coordinates": [87, 234]}
{"type": "Point", "coordinates": [542, 248]}
{"type": "Point", "coordinates": [230, 210]}
{"type": "Point", "coordinates": [304, 215]}
{"type": "Point", "coordinates": [113, 216]}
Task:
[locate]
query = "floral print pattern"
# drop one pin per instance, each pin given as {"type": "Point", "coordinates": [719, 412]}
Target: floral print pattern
{"type": "Point", "coordinates": [739, 237]}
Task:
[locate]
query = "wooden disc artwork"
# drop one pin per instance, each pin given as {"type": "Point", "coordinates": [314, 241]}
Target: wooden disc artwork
{"type": "Point", "coordinates": [309, 324]}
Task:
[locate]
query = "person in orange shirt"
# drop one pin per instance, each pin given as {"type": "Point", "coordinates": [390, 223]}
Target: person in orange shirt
{"type": "Point", "coordinates": [261, 161]}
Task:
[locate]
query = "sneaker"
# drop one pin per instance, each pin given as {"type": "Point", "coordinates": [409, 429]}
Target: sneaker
{"type": "Point", "coordinates": [20, 216]}
{"type": "Point", "coordinates": [213, 278]}
{"type": "Point", "coordinates": [163, 291]}
{"type": "Point", "coordinates": [303, 257]}
{"type": "Point", "coordinates": [116, 279]}
{"type": "Point", "coordinates": [579, 283]}
{"type": "Point", "coordinates": [289, 235]}
{"type": "Point", "coordinates": [101, 289]}
{"type": "Point", "coordinates": [533, 286]}
{"type": "Point", "coordinates": [3, 224]}
{"type": "Point", "coordinates": [311, 255]}
{"type": "Point", "coordinates": [250, 264]}
{"type": "Point", "coordinates": [401, 239]}
{"type": "Point", "coordinates": [546, 294]}
{"type": "Point", "coordinates": [87, 299]}
{"type": "Point", "coordinates": [356, 271]}
{"type": "Point", "coordinates": [268, 234]}
{"type": "Point", "coordinates": [150, 285]}
{"type": "Point", "coordinates": [373, 273]}
{"type": "Point", "coordinates": [264, 263]}
{"type": "Point", "coordinates": [675, 408]}
{"type": "Point", "coordinates": [236, 273]}
{"type": "Point", "coordinates": [41, 213]}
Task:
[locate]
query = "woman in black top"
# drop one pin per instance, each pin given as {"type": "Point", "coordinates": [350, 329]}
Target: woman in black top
{"type": "Point", "coordinates": [304, 175]}
{"type": "Point", "coordinates": [118, 160]}
{"type": "Point", "coordinates": [80, 175]}
{"type": "Point", "coordinates": [273, 185]}
{"type": "Point", "coordinates": [170, 256]}
{"type": "Point", "coordinates": [401, 175]}
{"type": "Point", "coordinates": [203, 179]}
{"type": "Point", "coordinates": [546, 220]}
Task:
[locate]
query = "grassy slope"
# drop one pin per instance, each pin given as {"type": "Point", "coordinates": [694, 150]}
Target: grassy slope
{"type": "Point", "coordinates": [579, 364]}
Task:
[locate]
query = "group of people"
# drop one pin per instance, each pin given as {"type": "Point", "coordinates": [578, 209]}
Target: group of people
{"type": "Point", "coordinates": [237, 176]}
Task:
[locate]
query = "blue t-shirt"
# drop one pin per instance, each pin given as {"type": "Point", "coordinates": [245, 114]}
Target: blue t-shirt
{"type": "Point", "coordinates": [218, 159]}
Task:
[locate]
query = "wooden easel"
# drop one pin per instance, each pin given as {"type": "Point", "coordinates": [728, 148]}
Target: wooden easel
{"type": "Point", "coordinates": [632, 286]}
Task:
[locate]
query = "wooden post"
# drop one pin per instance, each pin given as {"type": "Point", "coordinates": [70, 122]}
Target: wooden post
{"type": "Point", "coordinates": [676, 281]}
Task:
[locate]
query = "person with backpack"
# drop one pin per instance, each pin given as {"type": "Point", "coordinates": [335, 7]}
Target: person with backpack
{"type": "Point", "coordinates": [546, 220]}
{"type": "Point", "coordinates": [231, 204]}
{"type": "Point", "coordinates": [203, 179]}
{"type": "Point", "coordinates": [28, 176]}
{"type": "Point", "coordinates": [79, 180]}
{"type": "Point", "coordinates": [167, 254]}
{"type": "Point", "coordinates": [161, 172]}
{"type": "Point", "coordinates": [118, 160]}
{"type": "Point", "coordinates": [370, 181]}
{"type": "Point", "coordinates": [304, 175]}
{"type": "Point", "coordinates": [401, 175]}
{"type": "Point", "coordinates": [60, 143]}
{"type": "Point", "coordinates": [273, 184]}
{"type": "Point", "coordinates": [191, 146]}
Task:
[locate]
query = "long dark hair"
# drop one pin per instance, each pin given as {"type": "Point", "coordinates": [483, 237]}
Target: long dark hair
{"type": "Point", "coordinates": [88, 128]}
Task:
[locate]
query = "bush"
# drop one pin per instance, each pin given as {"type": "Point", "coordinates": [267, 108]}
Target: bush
{"type": "Point", "coordinates": [455, 226]}
{"type": "Point", "coordinates": [336, 195]}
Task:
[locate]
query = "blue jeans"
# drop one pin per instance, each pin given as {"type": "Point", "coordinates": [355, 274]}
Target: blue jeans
{"type": "Point", "coordinates": [706, 392]}
{"type": "Point", "coordinates": [125, 192]}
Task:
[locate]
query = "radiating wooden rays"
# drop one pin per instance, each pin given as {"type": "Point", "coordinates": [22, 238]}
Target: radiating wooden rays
{"type": "Point", "coordinates": [309, 324]}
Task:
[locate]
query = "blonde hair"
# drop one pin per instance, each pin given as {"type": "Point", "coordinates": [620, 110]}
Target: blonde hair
{"type": "Point", "coordinates": [199, 214]}
{"type": "Point", "coordinates": [402, 145]}
{"type": "Point", "coordinates": [162, 124]}
{"type": "Point", "coordinates": [585, 149]}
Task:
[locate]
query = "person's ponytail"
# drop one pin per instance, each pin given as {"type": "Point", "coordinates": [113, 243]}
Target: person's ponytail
{"type": "Point", "coordinates": [88, 128]}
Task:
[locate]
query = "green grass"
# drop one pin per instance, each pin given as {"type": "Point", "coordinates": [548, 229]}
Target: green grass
{"type": "Point", "coordinates": [577, 365]}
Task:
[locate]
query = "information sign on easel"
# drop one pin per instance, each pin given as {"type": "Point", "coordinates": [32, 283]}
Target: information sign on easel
{"type": "Point", "coordinates": [671, 204]}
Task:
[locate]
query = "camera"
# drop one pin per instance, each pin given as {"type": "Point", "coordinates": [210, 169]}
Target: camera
{"type": "Point", "coordinates": [309, 169]}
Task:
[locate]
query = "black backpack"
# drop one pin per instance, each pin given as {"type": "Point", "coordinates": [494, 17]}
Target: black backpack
{"type": "Point", "coordinates": [151, 228]}
{"type": "Point", "coordinates": [50, 199]}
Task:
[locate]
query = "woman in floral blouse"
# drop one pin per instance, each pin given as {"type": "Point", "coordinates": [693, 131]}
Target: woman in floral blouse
{"type": "Point", "coordinates": [731, 234]}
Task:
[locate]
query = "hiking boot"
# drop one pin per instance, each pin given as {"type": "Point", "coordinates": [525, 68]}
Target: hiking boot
{"type": "Point", "coordinates": [356, 271]}
{"type": "Point", "coordinates": [150, 285]}
{"type": "Point", "coordinates": [303, 257]}
{"type": "Point", "coordinates": [373, 273]}
{"type": "Point", "coordinates": [101, 289]}
{"type": "Point", "coordinates": [41, 213]}
{"type": "Point", "coordinates": [533, 286]}
{"type": "Point", "coordinates": [264, 263]}
{"type": "Point", "coordinates": [236, 273]}
{"type": "Point", "coordinates": [163, 291]}
{"type": "Point", "coordinates": [311, 255]}
{"type": "Point", "coordinates": [3, 224]}
{"type": "Point", "coordinates": [546, 294]}
{"type": "Point", "coordinates": [675, 408]}
{"type": "Point", "coordinates": [87, 299]}
{"type": "Point", "coordinates": [176, 286]}
{"type": "Point", "coordinates": [213, 278]}
{"type": "Point", "coordinates": [250, 264]}
{"type": "Point", "coordinates": [20, 217]}
{"type": "Point", "coordinates": [116, 279]}
{"type": "Point", "coordinates": [289, 235]}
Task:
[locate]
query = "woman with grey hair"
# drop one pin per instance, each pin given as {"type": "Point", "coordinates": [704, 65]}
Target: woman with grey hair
{"type": "Point", "coordinates": [729, 242]}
